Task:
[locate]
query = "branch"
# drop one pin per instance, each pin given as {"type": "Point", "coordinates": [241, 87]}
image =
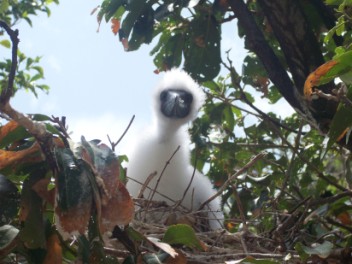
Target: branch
{"type": "Point", "coordinates": [113, 144]}
{"type": "Point", "coordinates": [260, 46]}
{"type": "Point", "coordinates": [7, 92]}
{"type": "Point", "coordinates": [234, 176]}
{"type": "Point", "coordinates": [36, 129]}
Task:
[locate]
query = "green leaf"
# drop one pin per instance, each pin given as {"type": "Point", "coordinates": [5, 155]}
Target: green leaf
{"type": "Point", "coordinates": [33, 230]}
{"type": "Point", "coordinates": [109, 7]}
{"type": "Point", "coordinates": [136, 9]}
{"type": "Point", "coordinates": [256, 261]}
{"type": "Point", "coordinates": [4, 5]}
{"type": "Point", "coordinates": [182, 234]}
{"type": "Point", "coordinates": [341, 120]}
{"type": "Point", "coordinates": [202, 48]}
{"type": "Point", "coordinates": [301, 252]}
{"type": "Point", "coordinates": [170, 54]}
{"type": "Point", "coordinates": [6, 43]}
{"type": "Point", "coordinates": [7, 234]}
{"type": "Point", "coordinates": [143, 29]}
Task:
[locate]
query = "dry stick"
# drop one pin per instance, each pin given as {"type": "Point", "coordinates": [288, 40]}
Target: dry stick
{"type": "Point", "coordinates": [189, 185]}
{"type": "Point", "coordinates": [113, 145]}
{"type": "Point", "coordinates": [149, 188]}
{"type": "Point", "coordinates": [240, 206]}
{"type": "Point", "coordinates": [161, 174]}
{"type": "Point", "coordinates": [234, 176]}
{"type": "Point", "coordinates": [145, 184]}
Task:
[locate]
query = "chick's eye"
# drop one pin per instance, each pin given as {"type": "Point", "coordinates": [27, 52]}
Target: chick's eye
{"type": "Point", "coordinates": [163, 96]}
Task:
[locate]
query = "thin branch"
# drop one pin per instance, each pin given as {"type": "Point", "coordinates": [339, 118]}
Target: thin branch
{"type": "Point", "coordinates": [113, 145]}
{"type": "Point", "coordinates": [7, 92]}
{"type": "Point", "coordinates": [189, 185]}
{"type": "Point", "coordinates": [234, 176]}
{"type": "Point", "coordinates": [161, 174]}
{"type": "Point", "coordinates": [146, 183]}
{"type": "Point", "coordinates": [240, 208]}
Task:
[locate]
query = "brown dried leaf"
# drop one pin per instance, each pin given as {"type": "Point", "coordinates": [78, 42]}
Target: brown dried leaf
{"type": "Point", "coordinates": [179, 259]}
{"type": "Point", "coordinates": [73, 221]}
{"type": "Point", "coordinates": [200, 42]}
{"type": "Point", "coordinates": [119, 210]}
{"type": "Point", "coordinates": [41, 188]}
{"type": "Point", "coordinates": [54, 250]}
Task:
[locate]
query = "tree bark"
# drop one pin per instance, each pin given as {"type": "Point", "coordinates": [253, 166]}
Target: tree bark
{"type": "Point", "coordinates": [301, 50]}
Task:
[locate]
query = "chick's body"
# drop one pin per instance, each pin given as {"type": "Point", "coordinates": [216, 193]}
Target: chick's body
{"type": "Point", "coordinates": [177, 100]}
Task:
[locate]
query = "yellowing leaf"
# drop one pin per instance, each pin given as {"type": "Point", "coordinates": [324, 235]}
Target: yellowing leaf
{"type": "Point", "coordinates": [13, 158]}
{"type": "Point", "coordinates": [8, 128]}
{"type": "Point", "coordinates": [340, 66]}
{"type": "Point", "coordinates": [314, 79]}
{"type": "Point", "coordinates": [6, 43]}
{"type": "Point", "coordinates": [115, 25]}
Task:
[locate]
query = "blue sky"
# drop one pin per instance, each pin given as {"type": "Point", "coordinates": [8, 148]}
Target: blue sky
{"type": "Point", "coordinates": [93, 81]}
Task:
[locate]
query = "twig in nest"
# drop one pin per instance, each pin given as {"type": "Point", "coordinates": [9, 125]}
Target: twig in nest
{"type": "Point", "coordinates": [188, 186]}
{"type": "Point", "coordinates": [113, 144]}
{"type": "Point", "coordinates": [146, 183]}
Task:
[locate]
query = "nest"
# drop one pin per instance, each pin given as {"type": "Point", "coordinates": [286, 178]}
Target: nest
{"type": "Point", "coordinates": [153, 218]}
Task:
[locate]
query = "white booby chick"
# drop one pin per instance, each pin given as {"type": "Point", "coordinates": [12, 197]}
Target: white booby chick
{"type": "Point", "coordinates": [177, 100]}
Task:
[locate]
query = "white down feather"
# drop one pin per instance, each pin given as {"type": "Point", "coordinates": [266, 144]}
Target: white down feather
{"type": "Point", "coordinates": [157, 143]}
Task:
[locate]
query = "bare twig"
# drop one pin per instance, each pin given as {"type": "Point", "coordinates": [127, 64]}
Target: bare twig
{"type": "Point", "coordinates": [189, 185]}
{"type": "Point", "coordinates": [162, 172]}
{"type": "Point", "coordinates": [239, 206]}
{"type": "Point", "coordinates": [146, 183]}
{"type": "Point", "coordinates": [113, 145]}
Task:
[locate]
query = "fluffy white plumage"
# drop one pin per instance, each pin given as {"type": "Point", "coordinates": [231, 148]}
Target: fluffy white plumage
{"type": "Point", "coordinates": [177, 100]}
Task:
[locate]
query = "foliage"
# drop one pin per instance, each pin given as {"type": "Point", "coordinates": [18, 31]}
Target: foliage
{"type": "Point", "coordinates": [29, 71]}
{"type": "Point", "coordinates": [293, 198]}
{"type": "Point", "coordinates": [182, 34]}
{"type": "Point", "coordinates": [300, 191]}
